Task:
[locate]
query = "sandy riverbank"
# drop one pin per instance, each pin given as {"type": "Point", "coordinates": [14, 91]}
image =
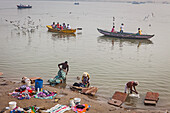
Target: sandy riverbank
{"type": "Point", "coordinates": [97, 106]}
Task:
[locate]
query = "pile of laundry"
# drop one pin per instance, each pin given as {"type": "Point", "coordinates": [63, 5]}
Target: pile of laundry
{"type": "Point", "coordinates": [58, 109]}
{"type": "Point", "coordinates": [45, 94]}
{"type": "Point", "coordinates": [30, 109]}
{"type": "Point", "coordinates": [80, 108]}
{"type": "Point", "coordinates": [23, 92]}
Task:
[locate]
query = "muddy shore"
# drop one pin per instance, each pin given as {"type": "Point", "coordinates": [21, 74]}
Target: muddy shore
{"type": "Point", "coordinates": [97, 106]}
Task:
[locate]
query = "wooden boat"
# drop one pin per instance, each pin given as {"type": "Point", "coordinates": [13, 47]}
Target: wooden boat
{"type": "Point", "coordinates": [60, 31]}
{"type": "Point", "coordinates": [125, 35]}
{"type": "Point", "coordinates": [76, 3]}
{"type": "Point", "coordinates": [23, 6]}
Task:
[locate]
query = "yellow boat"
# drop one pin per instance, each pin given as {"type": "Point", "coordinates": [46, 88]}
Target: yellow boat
{"type": "Point", "coordinates": [60, 31]}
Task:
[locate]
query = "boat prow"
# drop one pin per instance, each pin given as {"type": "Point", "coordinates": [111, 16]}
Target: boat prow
{"type": "Point", "coordinates": [124, 35]}
{"type": "Point", "coordinates": [60, 31]}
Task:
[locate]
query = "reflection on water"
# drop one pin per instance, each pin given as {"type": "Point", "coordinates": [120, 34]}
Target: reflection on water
{"type": "Point", "coordinates": [62, 35]}
{"type": "Point", "coordinates": [137, 42]}
{"type": "Point", "coordinates": [130, 101]}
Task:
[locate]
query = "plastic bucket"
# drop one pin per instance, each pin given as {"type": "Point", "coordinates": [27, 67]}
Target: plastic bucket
{"type": "Point", "coordinates": [12, 105]}
{"type": "Point", "coordinates": [38, 84]}
{"type": "Point", "coordinates": [77, 101]}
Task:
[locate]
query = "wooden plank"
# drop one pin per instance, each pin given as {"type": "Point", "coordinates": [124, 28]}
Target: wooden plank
{"type": "Point", "coordinates": [152, 96]}
{"type": "Point", "coordinates": [90, 90]}
{"type": "Point", "coordinates": [115, 102]}
{"type": "Point", "coordinates": [149, 102]}
{"type": "Point", "coordinates": [120, 96]}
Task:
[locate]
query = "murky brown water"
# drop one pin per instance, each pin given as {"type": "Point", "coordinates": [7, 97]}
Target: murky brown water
{"type": "Point", "coordinates": [110, 62]}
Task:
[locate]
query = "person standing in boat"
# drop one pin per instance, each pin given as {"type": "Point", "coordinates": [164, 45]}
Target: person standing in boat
{"type": "Point", "coordinates": [131, 85]}
{"type": "Point", "coordinates": [113, 29]}
{"type": "Point", "coordinates": [121, 28]}
{"type": "Point", "coordinates": [139, 31]}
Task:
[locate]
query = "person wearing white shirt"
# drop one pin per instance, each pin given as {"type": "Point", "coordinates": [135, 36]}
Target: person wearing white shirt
{"type": "Point", "coordinates": [68, 26]}
{"type": "Point", "coordinates": [121, 28]}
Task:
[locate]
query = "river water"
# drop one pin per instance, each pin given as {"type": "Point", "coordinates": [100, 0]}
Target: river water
{"type": "Point", "coordinates": [110, 62]}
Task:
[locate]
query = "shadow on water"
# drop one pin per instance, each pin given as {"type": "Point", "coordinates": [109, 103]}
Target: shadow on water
{"type": "Point", "coordinates": [121, 41]}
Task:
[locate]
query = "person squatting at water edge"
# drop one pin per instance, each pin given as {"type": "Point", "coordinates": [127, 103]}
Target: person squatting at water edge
{"type": "Point", "coordinates": [86, 79]}
{"type": "Point", "coordinates": [131, 85]}
{"type": "Point", "coordinates": [61, 75]}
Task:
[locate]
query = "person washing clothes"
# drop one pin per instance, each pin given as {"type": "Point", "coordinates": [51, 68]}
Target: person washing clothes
{"type": "Point", "coordinates": [86, 79]}
{"type": "Point", "coordinates": [61, 75]}
{"type": "Point", "coordinates": [131, 85]}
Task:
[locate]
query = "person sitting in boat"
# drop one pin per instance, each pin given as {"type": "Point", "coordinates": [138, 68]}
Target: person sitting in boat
{"type": "Point", "coordinates": [121, 28]}
{"type": "Point", "coordinates": [113, 29]}
{"type": "Point", "coordinates": [139, 31]}
{"type": "Point", "coordinates": [64, 26]}
{"type": "Point", "coordinates": [130, 85]}
{"type": "Point", "coordinates": [61, 27]}
{"type": "Point", "coordinates": [58, 26]}
{"type": "Point", "coordinates": [61, 76]}
{"type": "Point", "coordinates": [53, 25]}
{"type": "Point", "coordinates": [86, 79]}
{"type": "Point", "coordinates": [68, 26]}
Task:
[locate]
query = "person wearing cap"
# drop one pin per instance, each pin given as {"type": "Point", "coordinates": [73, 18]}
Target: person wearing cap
{"type": "Point", "coordinates": [86, 79]}
{"type": "Point", "coordinates": [132, 86]}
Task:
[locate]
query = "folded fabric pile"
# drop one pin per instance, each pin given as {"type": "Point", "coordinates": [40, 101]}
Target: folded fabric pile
{"type": "Point", "coordinates": [23, 92]}
{"type": "Point", "coordinates": [80, 108]}
{"type": "Point", "coordinates": [58, 109]}
{"type": "Point", "coordinates": [45, 94]}
{"type": "Point", "coordinates": [31, 109]}
{"type": "Point", "coordinates": [79, 84]}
